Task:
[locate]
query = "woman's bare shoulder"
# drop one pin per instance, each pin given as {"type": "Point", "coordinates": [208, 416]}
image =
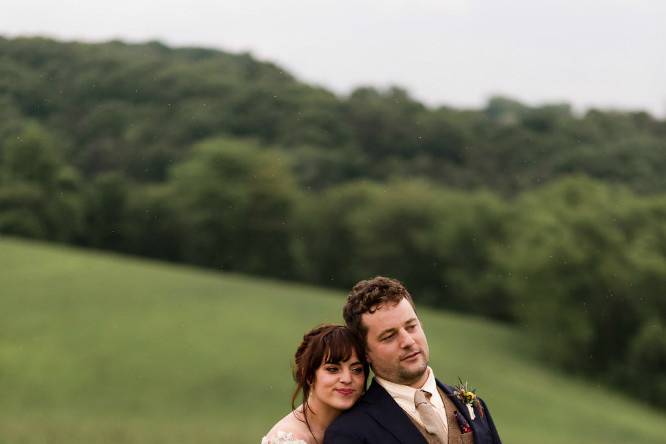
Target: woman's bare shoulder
{"type": "Point", "coordinates": [289, 430]}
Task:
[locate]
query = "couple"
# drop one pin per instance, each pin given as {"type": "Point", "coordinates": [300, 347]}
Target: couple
{"type": "Point", "coordinates": [404, 403]}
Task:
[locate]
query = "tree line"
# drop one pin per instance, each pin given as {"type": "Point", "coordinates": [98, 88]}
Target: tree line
{"type": "Point", "coordinates": [529, 215]}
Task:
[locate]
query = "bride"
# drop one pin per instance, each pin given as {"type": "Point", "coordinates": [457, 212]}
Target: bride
{"type": "Point", "coordinates": [331, 371]}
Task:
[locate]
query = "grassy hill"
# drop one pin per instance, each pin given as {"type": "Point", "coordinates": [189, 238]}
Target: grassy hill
{"type": "Point", "coordinates": [107, 349]}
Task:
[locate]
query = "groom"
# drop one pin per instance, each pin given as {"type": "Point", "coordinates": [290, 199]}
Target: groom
{"type": "Point", "coordinates": [405, 403]}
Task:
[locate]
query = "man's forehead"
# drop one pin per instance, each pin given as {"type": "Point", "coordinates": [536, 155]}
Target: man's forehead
{"type": "Point", "coordinates": [387, 305]}
{"type": "Point", "coordinates": [389, 314]}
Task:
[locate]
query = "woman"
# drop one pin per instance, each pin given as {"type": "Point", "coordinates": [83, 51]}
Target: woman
{"type": "Point", "coordinates": [330, 370]}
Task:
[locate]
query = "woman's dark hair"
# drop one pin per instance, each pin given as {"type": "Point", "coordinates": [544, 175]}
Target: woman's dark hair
{"type": "Point", "coordinates": [325, 344]}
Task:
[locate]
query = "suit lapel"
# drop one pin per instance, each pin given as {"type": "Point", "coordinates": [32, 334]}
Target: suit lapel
{"type": "Point", "coordinates": [390, 416]}
{"type": "Point", "coordinates": [462, 408]}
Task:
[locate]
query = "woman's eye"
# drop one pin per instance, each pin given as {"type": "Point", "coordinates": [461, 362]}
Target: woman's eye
{"type": "Point", "coordinates": [358, 370]}
{"type": "Point", "coordinates": [331, 369]}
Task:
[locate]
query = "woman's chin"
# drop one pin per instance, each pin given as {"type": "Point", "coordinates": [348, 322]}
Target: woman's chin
{"type": "Point", "coordinates": [343, 404]}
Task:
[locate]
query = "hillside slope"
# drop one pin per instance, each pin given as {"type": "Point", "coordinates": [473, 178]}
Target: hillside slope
{"type": "Point", "coordinates": [104, 348]}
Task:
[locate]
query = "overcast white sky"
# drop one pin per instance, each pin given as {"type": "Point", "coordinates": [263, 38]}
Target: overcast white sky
{"type": "Point", "coordinates": [603, 53]}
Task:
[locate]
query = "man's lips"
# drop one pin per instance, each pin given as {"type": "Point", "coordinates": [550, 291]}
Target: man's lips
{"type": "Point", "coordinates": [345, 392]}
{"type": "Point", "coordinates": [410, 356]}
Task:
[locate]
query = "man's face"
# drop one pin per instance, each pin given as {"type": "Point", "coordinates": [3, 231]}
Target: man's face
{"type": "Point", "coordinates": [397, 348]}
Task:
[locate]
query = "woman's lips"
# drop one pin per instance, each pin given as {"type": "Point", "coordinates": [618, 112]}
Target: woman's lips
{"type": "Point", "coordinates": [345, 392]}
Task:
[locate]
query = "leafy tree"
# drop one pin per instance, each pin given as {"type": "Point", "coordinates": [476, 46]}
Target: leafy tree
{"type": "Point", "coordinates": [586, 263]}
{"type": "Point", "coordinates": [20, 205]}
{"type": "Point", "coordinates": [31, 156]}
{"type": "Point", "coordinates": [318, 169]}
{"type": "Point", "coordinates": [384, 123]}
{"type": "Point", "coordinates": [39, 194]}
{"type": "Point", "coordinates": [106, 204]}
{"type": "Point", "coordinates": [631, 161]}
{"type": "Point", "coordinates": [646, 362]}
{"type": "Point", "coordinates": [439, 242]}
{"type": "Point", "coordinates": [154, 225]}
{"type": "Point", "coordinates": [567, 264]}
{"type": "Point", "coordinates": [236, 201]}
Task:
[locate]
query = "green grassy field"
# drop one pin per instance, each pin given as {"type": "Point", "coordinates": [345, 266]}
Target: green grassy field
{"type": "Point", "coordinates": [97, 348]}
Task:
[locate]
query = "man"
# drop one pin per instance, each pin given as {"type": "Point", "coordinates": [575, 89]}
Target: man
{"type": "Point", "coordinates": [405, 403]}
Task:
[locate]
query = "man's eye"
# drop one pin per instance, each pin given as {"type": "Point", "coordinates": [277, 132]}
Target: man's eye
{"type": "Point", "coordinates": [411, 327]}
{"type": "Point", "coordinates": [387, 338]}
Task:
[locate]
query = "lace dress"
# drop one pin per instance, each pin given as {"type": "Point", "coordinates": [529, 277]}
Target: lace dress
{"type": "Point", "coordinates": [282, 438]}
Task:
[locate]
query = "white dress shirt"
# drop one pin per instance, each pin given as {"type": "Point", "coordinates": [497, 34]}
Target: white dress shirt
{"type": "Point", "coordinates": [404, 396]}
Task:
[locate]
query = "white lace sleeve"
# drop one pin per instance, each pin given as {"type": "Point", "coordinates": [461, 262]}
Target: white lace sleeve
{"type": "Point", "coordinates": [282, 438]}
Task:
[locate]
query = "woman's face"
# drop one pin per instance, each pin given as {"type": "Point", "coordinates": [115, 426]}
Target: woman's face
{"type": "Point", "coordinates": [338, 385]}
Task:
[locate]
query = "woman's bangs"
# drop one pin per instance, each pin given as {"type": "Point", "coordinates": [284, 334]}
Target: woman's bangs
{"type": "Point", "coordinates": [339, 347]}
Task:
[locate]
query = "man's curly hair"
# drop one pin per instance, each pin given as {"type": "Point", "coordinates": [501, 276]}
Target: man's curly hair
{"type": "Point", "coordinates": [368, 296]}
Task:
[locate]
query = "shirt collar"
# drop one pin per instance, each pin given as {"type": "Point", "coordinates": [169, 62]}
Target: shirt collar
{"type": "Point", "coordinates": [406, 393]}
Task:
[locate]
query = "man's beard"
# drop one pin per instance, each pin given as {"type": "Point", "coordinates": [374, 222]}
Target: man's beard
{"type": "Point", "coordinates": [409, 376]}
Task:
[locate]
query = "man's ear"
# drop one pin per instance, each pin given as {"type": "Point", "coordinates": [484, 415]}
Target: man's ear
{"type": "Point", "coordinates": [367, 358]}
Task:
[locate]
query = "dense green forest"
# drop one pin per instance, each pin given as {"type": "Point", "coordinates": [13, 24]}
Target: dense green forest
{"type": "Point", "coordinates": [532, 215]}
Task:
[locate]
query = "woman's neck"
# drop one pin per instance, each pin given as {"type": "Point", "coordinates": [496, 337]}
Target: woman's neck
{"type": "Point", "coordinates": [320, 416]}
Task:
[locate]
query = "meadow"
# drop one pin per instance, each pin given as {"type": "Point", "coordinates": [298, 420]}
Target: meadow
{"type": "Point", "coordinates": [103, 348]}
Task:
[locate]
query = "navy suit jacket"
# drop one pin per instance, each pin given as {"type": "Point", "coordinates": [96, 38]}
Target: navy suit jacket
{"type": "Point", "coordinates": [377, 419]}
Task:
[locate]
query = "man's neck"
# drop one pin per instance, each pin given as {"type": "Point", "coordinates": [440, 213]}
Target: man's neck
{"type": "Point", "coordinates": [422, 380]}
{"type": "Point", "coordinates": [416, 383]}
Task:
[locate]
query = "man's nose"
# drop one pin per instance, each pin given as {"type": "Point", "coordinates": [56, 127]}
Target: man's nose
{"type": "Point", "coordinates": [406, 339]}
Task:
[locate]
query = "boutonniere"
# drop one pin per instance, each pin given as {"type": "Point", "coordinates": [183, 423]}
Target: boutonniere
{"type": "Point", "coordinates": [468, 397]}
